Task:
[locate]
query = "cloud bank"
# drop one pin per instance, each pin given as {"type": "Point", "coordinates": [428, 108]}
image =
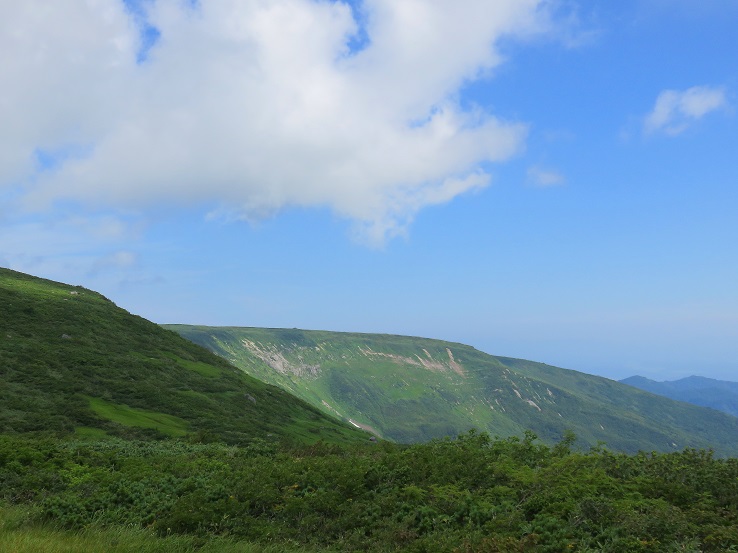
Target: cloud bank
{"type": "Point", "coordinates": [250, 106]}
{"type": "Point", "coordinates": [676, 110]}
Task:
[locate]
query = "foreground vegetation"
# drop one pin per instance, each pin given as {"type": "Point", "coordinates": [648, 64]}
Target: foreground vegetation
{"type": "Point", "coordinates": [18, 536]}
{"type": "Point", "coordinates": [472, 494]}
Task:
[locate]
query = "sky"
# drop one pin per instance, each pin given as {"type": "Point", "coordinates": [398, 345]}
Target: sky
{"type": "Point", "coordinates": [555, 180]}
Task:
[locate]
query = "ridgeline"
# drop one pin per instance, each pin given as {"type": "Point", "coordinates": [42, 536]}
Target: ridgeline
{"type": "Point", "coordinates": [415, 389]}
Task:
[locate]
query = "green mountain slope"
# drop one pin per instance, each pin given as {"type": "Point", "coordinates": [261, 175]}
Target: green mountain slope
{"type": "Point", "coordinates": [71, 361]}
{"type": "Point", "coordinates": [707, 392]}
{"type": "Point", "coordinates": [413, 389]}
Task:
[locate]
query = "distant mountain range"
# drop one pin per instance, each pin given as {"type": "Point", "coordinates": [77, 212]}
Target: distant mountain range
{"type": "Point", "coordinates": [413, 389]}
{"type": "Point", "coordinates": [721, 395]}
{"type": "Point", "coordinates": [72, 363]}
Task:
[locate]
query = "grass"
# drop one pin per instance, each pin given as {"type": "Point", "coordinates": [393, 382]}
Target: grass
{"type": "Point", "coordinates": [199, 367]}
{"type": "Point", "coordinates": [90, 433]}
{"type": "Point", "coordinates": [127, 416]}
{"type": "Point", "coordinates": [17, 536]}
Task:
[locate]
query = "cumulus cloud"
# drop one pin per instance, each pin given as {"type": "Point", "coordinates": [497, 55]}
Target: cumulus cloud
{"type": "Point", "coordinates": [253, 106]}
{"type": "Point", "coordinates": [676, 110]}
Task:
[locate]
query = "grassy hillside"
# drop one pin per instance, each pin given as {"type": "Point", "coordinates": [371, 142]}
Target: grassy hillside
{"type": "Point", "coordinates": [412, 389]}
{"type": "Point", "coordinates": [73, 362]}
{"type": "Point", "coordinates": [721, 395]}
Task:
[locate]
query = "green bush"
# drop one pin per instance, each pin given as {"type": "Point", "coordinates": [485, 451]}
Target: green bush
{"type": "Point", "coordinates": [471, 494]}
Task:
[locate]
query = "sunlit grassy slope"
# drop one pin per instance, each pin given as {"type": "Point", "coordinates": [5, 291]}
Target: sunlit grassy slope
{"type": "Point", "coordinates": [413, 389]}
{"type": "Point", "coordinates": [73, 362]}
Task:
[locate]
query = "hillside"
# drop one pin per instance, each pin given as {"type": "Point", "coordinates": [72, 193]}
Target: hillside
{"type": "Point", "coordinates": [73, 362]}
{"type": "Point", "coordinates": [721, 395]}
{"type": "Point", "coordinates": [413, 389]}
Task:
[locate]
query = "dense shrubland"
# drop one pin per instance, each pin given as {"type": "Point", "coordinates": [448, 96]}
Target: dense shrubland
{"type": "Point", "coordinates": [471, 494]}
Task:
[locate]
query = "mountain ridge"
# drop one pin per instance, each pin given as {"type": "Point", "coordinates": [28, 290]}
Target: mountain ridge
{"type": "Point", "coordinates": [413, 389]}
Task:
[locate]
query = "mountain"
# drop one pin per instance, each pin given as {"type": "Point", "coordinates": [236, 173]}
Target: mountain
{"type": "Point", "coordinates": [413, 389]}
{"type": "Point", "coordinates": [721, 395]}
{"type": "Point", "coordinates": [73, 362]}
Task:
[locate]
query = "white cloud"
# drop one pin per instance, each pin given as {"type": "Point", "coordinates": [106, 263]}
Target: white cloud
{"type": "Point", "coordinates": [254, 106]}
{"type": "Point", "coordinates": [676, 110]}
{"type": "Point", "coordinates": [539, 176]}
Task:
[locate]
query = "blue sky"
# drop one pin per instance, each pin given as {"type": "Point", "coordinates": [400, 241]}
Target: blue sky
{"type": "Point", "coordinates": [556, 181]}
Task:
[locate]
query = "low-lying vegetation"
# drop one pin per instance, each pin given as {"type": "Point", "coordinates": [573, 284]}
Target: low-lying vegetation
{"type": "Point", "coordinates": [471, 494]}
{"type": "Point", "coordinates": [18, 536]}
